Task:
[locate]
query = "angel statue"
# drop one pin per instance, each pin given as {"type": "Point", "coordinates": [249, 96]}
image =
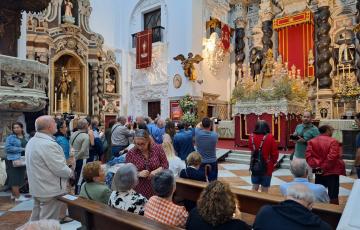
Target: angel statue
{"type": "Point", "coordinates": [188, 64]}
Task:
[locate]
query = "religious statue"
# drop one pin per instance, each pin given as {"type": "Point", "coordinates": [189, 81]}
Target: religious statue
{"type": "Point", "coordinates": [63, 86]}
{"type": "Point", "coordinates": [267, 71]}
{"type": "Point", "coordinates": [68, 8]}
{"type": "Point", "coordinates": [345, 55]}
{"type": "Point", "coordinates": [311, 57]}
{"type": "Point", "coordinates": [68, 16]}
{"type": "Point", "coordinates": [255, 62]}
{"type": "Point", "coordinates": [110, 82]}
{"type": "Point", "coordinates": [188, 64]}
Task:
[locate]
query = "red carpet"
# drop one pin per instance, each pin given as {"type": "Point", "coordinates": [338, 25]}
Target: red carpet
{"type": "Point", "coordinates": [230, 144]}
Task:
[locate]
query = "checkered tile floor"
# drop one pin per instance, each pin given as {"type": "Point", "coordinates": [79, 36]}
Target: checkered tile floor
{"type": "Point", "coordinates": [238, 175]}
{"type": "Point", "coordinates": [13, 215]}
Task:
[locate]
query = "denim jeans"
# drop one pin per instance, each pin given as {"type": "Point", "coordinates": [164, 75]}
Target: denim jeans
{"type": "Point", "coordinates": [213, 174]}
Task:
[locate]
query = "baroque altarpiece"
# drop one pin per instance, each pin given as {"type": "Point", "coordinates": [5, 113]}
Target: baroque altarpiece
{"type": "Point", "coordinates": [84, 76]}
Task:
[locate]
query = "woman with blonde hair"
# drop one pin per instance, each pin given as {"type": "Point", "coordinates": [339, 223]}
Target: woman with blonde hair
{"type": "Point", "coordinates": [216, 209]}
{"type": "Point", "coordinates": [175, 163]}
{"type": "Point", "coordinates": [94, 187]}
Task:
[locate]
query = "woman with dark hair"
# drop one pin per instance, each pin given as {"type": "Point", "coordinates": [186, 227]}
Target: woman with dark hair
{"type": "Point", "coordinates": [15, 164]}
{"type": "Point", "coordinates": [170, 129]}
{"type": "Point", "coordinates": [149, 158]}
{"type": "Point", "coordinates": [264, 149]}
{"type": "Point", "coordinates": [107, 146]}
{"type": "Point", "coordinates": [216, 209]}
{"type": "Point", "coordinates": [60, 137]}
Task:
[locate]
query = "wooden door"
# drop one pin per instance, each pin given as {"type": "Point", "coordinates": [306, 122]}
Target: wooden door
{"type": "Point", "coordinates": [153, 109]}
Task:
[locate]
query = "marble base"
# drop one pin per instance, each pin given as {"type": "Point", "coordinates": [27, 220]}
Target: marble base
{"type": "Point", "coordinates": [68, 19]}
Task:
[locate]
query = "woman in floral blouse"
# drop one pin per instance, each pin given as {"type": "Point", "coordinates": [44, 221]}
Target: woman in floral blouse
{"type": "Point", "coordinates": [149, 159]}
{"type": "Point", "coordinates": [124, 197]}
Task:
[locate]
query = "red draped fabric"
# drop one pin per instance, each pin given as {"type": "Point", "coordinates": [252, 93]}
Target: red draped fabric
{"type": "Point", "coordinates": [143, 49]}
{"type": "Point", "coordinates": [295, 39]}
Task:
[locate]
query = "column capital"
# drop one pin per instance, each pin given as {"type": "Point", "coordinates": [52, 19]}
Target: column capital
{"type": "Point", "coordinates": [322, 3]}
{"type": "Point", "coordinates": [239, 15]}
{"type": "Point", "coordinates": [266, 10]}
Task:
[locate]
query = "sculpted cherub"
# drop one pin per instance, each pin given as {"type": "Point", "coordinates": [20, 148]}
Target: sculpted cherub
{"type": "Point", "coordinates": [188, 64]}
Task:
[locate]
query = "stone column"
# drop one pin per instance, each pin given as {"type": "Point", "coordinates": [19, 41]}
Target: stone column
{"type": "Point", "coordinates": [266, 17]}
{"type": "Point", "coordinates": [100, 86]}
{"type": "Point", "coordinates": [357, 64]}
{"type": "Point", "coordinates": [94, 89]}
{"type": "Point", "coordinates": [322, 45]}
{"type": "Point", "coordinates": [240, 24]}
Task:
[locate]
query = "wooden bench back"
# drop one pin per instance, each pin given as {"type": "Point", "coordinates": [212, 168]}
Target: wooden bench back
{"type": "Point", "coordinates": [251, 202]}
{"type": "Point", "coordinates": [95, 215]}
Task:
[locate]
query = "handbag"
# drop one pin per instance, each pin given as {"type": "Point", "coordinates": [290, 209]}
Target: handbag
{"type": "Point", "coordinates": [19, 162]}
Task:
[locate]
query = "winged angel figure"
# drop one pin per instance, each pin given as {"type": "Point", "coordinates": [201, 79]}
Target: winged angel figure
{"type": "Point", "coordinates": [188, 64]}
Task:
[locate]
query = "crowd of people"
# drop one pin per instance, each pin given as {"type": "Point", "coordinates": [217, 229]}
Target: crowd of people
{"type": "Point", "coordinates": [73, 158]}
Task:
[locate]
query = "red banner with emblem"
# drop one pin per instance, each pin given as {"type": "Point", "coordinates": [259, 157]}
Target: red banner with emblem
{"type": "Point", "coordinates": [225, 37]}
{"type": "Point", "coordinates": [143, 49]}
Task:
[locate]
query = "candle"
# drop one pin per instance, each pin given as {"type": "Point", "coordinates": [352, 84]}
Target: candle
{"type": "Point", "coordinates": [55, 103]}
{"type": "Point", "coordinates": [337, 109]}
{"type": "Point", "coordinates": [349, 70]}
{"type": "Point", "coordinates": [61, 103]}
{"type": "Point", "coordinates": [317, 88]}
{"type": "Point", "coordinates": [68, 103]}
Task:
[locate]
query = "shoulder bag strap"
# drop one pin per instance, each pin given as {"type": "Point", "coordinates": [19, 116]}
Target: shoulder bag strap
{"type": "Point", "coordinates": [114, 129]}
{"type": "Point", "coordinates": [72, 143]}
{"type": "Point", "coordinates": [87, 192]}
{"type": "Point", "coordinates": [252, 140]}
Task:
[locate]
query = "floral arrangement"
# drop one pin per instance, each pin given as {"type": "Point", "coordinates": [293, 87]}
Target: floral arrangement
{"type": "Point", "coordinates": [348, 90]}
{"type": "Point", "coordinates": [187, 105]}
{"type": "Point", "coordinates": [284, 87]}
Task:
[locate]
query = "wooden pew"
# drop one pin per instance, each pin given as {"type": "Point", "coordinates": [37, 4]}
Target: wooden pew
{"type": "Point", "coordinates": [95, 215]}
{"type": "Point", "coordinates": [251, 202]}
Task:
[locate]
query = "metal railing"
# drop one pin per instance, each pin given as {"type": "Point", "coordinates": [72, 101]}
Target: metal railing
{"type": "Point", "coordinates": [157, 35]}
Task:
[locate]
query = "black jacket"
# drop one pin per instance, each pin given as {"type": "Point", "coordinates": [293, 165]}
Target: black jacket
{"type": "Point", "coordinates": [288, 215]}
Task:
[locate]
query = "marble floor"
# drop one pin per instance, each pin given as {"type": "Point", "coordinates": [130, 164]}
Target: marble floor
{"type": "Point", "coordinates": [13, 214]}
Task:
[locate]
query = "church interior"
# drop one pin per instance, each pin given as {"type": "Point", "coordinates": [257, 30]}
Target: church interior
{"type": "Point", "coordinates": [235, 61]}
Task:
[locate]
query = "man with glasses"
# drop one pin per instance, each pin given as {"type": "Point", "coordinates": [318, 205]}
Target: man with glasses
{"type": "Point", "coordinates": [323, 155]}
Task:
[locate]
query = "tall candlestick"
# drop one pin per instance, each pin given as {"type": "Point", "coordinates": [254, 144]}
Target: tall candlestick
{"type": "Point", "coordinates": [68, 103]}
{"type": "Point", "coordinates": [61, 103]}
{"type": "Point", "coordinates": [337, 109]}
{"type": "Point", "coordinates": [55, 102]}
{"type": "Point", "coordinates": [317, 88]}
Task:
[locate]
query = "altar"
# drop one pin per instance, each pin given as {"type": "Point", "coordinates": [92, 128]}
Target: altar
{"type": "Point", "coordinates": [281, 115]}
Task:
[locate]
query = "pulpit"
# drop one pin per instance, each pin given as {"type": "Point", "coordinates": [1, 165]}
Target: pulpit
{"type": "Point", "coordinates": [281, 115]}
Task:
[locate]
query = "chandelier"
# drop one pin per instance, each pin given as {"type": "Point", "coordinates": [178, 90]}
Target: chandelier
{"type": "Point", "coordinates": [214, 53]}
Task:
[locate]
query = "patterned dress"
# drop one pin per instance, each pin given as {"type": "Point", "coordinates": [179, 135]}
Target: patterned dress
{"type": "Point", "coordinates": [130, 201]}
{"type": "Point", "coordinates": [157, 158]}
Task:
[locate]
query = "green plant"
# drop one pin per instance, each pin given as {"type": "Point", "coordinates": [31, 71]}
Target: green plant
{"type": "Point", "coordinates": [187, 103]}
{"type": "Point", "coordinates": [189, 118]}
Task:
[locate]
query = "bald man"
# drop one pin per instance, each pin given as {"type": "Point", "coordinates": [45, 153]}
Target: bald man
{"type": "Point", "coordinates": [46, 169]}
{"type": "Point", "coordinates": [294, 213]}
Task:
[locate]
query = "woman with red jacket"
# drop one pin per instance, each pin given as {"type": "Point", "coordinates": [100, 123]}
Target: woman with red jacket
{"type": "Point", "coordinates": [323, 155]}
{"type": "Point", "coordinates": [261, 138]}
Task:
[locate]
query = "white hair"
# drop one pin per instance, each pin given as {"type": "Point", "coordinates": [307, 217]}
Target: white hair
{"type": "Point", "coordinates": [298, 167]}
{"type": "Point", "coordinates": [300, 192]}
{"type": "Point", "coordinates": [43, 122]}
{"type": "Point", "coordinates": [41, 225]}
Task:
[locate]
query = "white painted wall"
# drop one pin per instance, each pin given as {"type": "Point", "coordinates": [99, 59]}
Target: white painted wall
{"type": "Point", "coordinates": [184, 31]}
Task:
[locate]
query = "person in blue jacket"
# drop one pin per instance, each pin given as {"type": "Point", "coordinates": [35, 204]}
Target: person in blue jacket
{"type": "Point", "coordinates": [61, 137]}
{"type": "Point", "coordinates": [15, 166]}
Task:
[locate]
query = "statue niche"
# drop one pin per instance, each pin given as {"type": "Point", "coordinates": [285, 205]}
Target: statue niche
{"type": "Point", "coordinates": [110, 81]}
{"type": "Point", "coordinates": [345, 48]}
{"type": "Point", "coordinates": [69, 85]}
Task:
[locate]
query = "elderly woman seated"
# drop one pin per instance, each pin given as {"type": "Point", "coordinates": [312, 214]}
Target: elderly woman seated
{"type": "Point", "coordinates": [160, 207]}
{"type": "Point", "coordinates": [94, 187]}
{"type": "Point", "coordinates": [124, 197]}
{"type": "Point", "coordinates": [216, 209]}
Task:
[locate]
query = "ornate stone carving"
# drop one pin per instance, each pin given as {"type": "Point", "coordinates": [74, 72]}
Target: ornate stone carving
{"type": "Point", "coordinates": [270, 107]}
{"type": "Point", "coordinates": [94, 89]}
{"type": "Point", "coordinates": [358, 42]}
{"type": "Point", "coordinates": [323, 47]}
{"type": "Point", "coordinates": [266, 16]}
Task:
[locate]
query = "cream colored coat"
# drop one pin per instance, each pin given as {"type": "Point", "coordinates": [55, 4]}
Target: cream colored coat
{"type": "Point", "coordinates": [46, 166]}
